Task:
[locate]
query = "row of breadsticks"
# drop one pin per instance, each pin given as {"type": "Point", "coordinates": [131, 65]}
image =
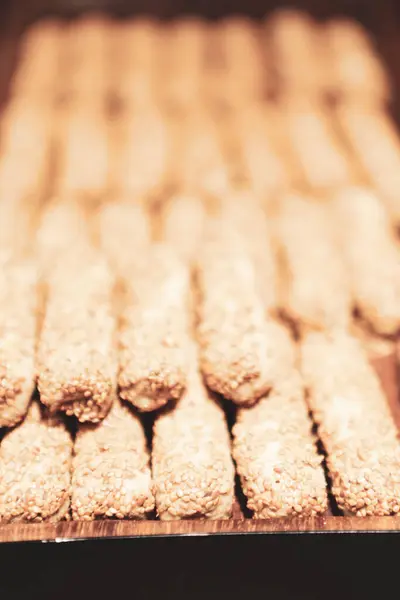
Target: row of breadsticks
{"type": "Point", "coordinates": [107, 103]}
{"type": "Point", "coordinates": [122, 327]}
{"type": "Point", "coordinates": [133, 324]}
{"type": "Point", "coordinates": [232, 61]}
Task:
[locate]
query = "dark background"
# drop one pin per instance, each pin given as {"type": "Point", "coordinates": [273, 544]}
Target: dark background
{"type": "Point", "coordinates": [294, 567]}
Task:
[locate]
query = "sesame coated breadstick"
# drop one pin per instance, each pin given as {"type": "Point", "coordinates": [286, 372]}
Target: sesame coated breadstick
{"type": "Point", "coordinates": [373, 257]}
{"type": "Point", "coordinates": [198, 164]}
{"type": "Point", "coordinates": [297, 53]}
{"type": "Point", "coordinates": [357, 73]}
{"type": "Point", "coordinates": [39, 56]}
{"type": "Point", "coordinates": [322, 160]}
{"type": "Point", "coordinates": [35, 464]}
{"type": "Point", "coordinates": [315, 286]}
{"type": "Point", "coordinates": [192, 468]}
{"type": "Point", "coordinates": [240, 349]}
{"type": "Point", "coordinates": [354, 424]}
{"type": "Point", "coordinates": [183, 224]}
{"type": "Point", "coordinates": [246, 215]}
{"type": "Point", "coordinates": [18, 324]}
{"type": "Point", "coordinates": [134, 50]}
{"type": "Point", "coordinates": [141, 154]}
{"type": "Point", "coordinates": [264, 168]}
{"type": "Point", "coordinates": [182, 47]}
{"type": "Point", "coordinates": [84, 58]}
{"type": "Point", "coordinates": [153, 333]}
{"type": "Point", "coordinates": [76, 357]}
{"type": "Point", "coordinates": [276, 456]}
{"type": "Point", "coordinates": [111, 473]}
{"type": "Point", "coordinates": [374, 138]}
{"type": "Point", "coordinates": [243, 78]}
{"type": "Point", "coordinates": [124, 233]}
{"type": "Point", "coordinates": [83, 154]}
{"type": "Point", "coordinates": [25, 139]}
{"type": "Point", "coordinates": [63, 226]}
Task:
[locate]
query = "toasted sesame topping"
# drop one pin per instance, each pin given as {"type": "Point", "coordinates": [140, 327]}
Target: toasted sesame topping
{"type": "Point", "coordinates": [354, 424]}
{"type": "Point", "coordinates": [276, 457]}
{"type": "Point", "coordinates": [373, 257]}
{"type": "Point", "coordinates": [111, 472]}
{"type": "Point", "coordinates": [308, 246]}
{"type": "Point", "coordinates": [153, 334]}
{"type": "Point", "coordinates": [35, 463]}
{"type": "Point", "coordinates": [18, 323]}
{"type": "Point", "coordinates": [76, 357]}
{"type": "Point", "coordinates": [192, 467]}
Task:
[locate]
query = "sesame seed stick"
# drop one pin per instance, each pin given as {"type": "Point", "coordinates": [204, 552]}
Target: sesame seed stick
{"type": "Point", "coordinates": [18, 324]}
{"type": "Point", "coordinates": [241, 79]}
{"type": "Point", "coordinates": [62, 226]}
{"type": "Point", "coordinates": [183, 223]}
{"type": "Point", "coordinates": [373, 257]}
{"type": "Point", "coordinates": [354, 423]}
{"type": "Point", "coordinates": [140, 157]}
{"type": "Point", "coordinates": [276, 456]}
{"type": "Point", "coordinates": [240, 349]}
{"type": "Point", "coordinates": [36, 72]}
{"type": "Point", "coordinates": [111, 472]}
{"type": "Point", "coordinates": [315, 286]}
{"type": "Point", "coordinates": [76, 357]}
{"type": "Point", "coordinates": [197, 163]}
{"type": "Point", "coordinates": [83, 154]}
{"type": "Point", "coordinates": [294, 42]}
{"type": "Point", "coordinates": [374, 139]}
{"type": "Point", "coordinates": [133, 51]}
{"type": "Point", "coordinates": [243, 211]}
{"type": "Point", "coordinates": [355, 69]}
{"type": "Point", "coordinates": [319, 153]}
{"type": "Point", "coordinates": [265, 170]}
{"type": "Point", "coordinates": [35, 464]}
{"type": "Point", "coordinates": [84, 59]}
{"type": "Point", "coordinates": [181, 54]}
{"type": "Point", "coordinates": [153, 333]}
{"type": "Point", "coordinates": [25, 139]}
{"type": "Point", "coordinates": [124, 232]}
{"type": "Point", "coordinates": [193, 472]}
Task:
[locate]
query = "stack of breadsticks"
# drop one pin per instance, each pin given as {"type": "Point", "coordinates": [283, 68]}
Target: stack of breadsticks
{"type": "Point", "coordinates": [193, 215]}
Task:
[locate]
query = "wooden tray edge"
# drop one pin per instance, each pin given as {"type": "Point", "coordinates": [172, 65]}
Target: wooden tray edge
{"type": "Point", "coordinates": [75, 531]}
